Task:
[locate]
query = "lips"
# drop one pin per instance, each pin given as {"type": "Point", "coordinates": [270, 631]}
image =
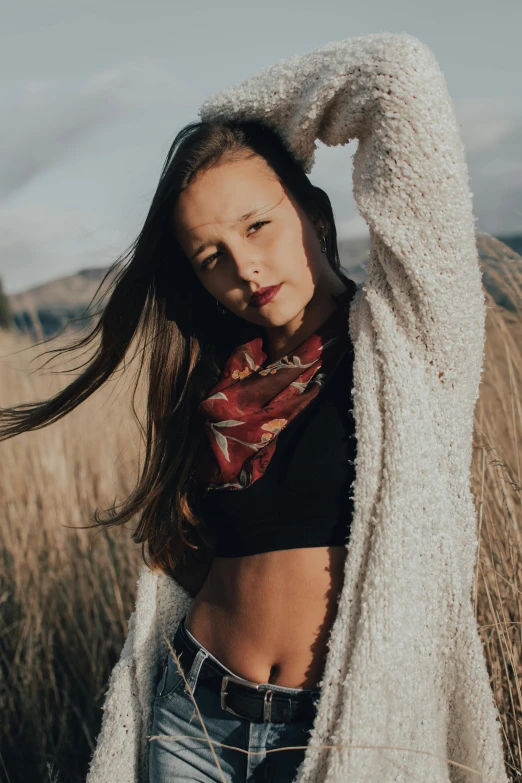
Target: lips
{"type": "Point", "coordinates": [264, 295]}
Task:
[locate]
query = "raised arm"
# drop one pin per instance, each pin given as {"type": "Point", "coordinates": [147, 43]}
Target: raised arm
{"type": "Point", "coordinates": [410, 179]}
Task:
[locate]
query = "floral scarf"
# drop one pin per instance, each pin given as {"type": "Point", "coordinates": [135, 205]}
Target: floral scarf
{"type": "Point", "coordinates": [252, 402]}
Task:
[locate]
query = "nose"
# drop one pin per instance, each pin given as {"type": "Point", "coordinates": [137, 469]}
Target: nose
{"type": "Point", "coordinates": [246, 261]}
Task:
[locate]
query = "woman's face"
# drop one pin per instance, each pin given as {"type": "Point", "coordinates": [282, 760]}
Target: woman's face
{"type": "Point", "coordinates": [243, 231]}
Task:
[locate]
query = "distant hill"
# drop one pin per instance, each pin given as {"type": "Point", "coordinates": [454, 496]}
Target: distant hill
{"type": "Point", "coordinates": [501, 271]}
{"type": "Point", "coordinates": [53, 304]}
{"type": "Point", "coordinates": [354, 255]}
{"type": "Point", "coordinates": [514, 241]}
{"type": "Point", "coordinates": [500, 259]}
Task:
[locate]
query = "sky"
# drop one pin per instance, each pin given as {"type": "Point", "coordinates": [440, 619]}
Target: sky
{"type": "Point", "coordinates": [93, 94]}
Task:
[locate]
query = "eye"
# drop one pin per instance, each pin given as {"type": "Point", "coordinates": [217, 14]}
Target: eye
{"type": "Point", "coordinates": [207, 261]}
{"type": "Point", "coordinates": [258, 223]}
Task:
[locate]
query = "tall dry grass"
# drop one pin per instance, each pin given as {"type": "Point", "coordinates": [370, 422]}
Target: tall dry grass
{"type": "Point", "coordinates": [66, 594]}
{"type": "Point", "coordinates": [497, 485]}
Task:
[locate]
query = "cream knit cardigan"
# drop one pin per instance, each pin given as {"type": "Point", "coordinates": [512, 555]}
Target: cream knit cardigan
{"type": "Point", "coordinates": [405, 665]}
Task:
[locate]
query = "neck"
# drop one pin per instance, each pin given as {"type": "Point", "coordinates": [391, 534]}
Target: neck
{"type": "Point", "coordinates": [278, 341]}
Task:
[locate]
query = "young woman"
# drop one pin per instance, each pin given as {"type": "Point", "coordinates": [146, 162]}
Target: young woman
{"type": "Point", "coordinates": [306, 514]}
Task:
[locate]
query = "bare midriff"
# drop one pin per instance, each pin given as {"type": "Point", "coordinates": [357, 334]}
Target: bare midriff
{"type": "Point", "coordinates": [267, 617]}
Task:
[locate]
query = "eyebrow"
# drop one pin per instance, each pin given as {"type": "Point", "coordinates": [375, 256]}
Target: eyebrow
{"type": "Point", "coordinates": [207, 244]}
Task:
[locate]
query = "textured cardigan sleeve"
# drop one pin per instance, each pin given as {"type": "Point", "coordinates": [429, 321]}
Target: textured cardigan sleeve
{"type": "Point", "coordinates": [410, 179]}
{"type": "Point", "coordinates": [115, 756]}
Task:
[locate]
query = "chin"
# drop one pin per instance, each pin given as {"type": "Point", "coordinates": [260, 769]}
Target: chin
{"type": "Point", "coordinates": [279, 319]}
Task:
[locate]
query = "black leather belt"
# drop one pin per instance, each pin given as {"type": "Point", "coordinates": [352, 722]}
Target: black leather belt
{"type": "Point", "coordinates": [255, 702]}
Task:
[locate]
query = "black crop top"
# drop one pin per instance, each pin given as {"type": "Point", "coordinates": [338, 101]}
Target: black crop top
{"type": "Point", "coordinates": [303, 497]}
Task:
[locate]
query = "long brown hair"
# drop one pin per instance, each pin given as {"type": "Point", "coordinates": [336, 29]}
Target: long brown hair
{"type": "Point", "coordinates": [154, 300]}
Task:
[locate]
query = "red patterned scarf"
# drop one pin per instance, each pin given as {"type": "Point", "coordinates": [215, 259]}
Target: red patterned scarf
{"type": "Point", "coordinates": [252, 402]}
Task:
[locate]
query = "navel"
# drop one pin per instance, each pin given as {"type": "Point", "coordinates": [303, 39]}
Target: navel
{"type": "Point", "coordinates": [274, 671]}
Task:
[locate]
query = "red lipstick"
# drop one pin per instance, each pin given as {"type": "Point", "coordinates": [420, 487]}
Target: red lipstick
{"type": "Point", "coordinates": [264, 295]}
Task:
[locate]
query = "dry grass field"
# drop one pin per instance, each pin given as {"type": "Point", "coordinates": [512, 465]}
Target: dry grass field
{"type": "Point", "coordinates": [66, 593]}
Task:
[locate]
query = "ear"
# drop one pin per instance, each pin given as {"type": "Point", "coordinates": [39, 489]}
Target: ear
{"type": "Point", "coordinates": [320, 223]}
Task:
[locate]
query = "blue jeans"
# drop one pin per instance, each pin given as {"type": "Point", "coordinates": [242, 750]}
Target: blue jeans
{"type": "Point", "coordinates": [174, 760]}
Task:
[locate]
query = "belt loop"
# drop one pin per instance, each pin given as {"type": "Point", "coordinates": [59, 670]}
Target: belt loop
{"type": "Point", "coordinates": [197, 663]}
{"type": "Point", "coordinates": [267, 705]}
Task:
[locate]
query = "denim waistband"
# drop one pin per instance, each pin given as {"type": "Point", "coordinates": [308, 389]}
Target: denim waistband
{"type": "Point", "coordinates": [272, 686]}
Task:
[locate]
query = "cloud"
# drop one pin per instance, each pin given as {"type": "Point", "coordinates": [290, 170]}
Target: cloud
{"type": "Point", "coordinates": [333, 173]}
{"type": "Point", "coordinates": [38, 242]}
{"type": "Point", "coordinates": [352, 227]}
{"type": "Point", "coordinates": [46, 121]}
{"type": "Point", "coordinates": [35, 239]}
{"type": "Point", "coordinates": [486, 122]}
{"type": "Point", "coordinates": [491, 130]}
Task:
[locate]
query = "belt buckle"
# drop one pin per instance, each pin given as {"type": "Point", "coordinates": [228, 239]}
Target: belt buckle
{"type": "Point", "coordinates": [267, 703]}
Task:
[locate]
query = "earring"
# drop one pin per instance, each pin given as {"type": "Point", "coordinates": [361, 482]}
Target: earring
{"type": "Point", "coordinates": [322, 241]}
{"type": "Point", "coordinates": [222, 310]}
